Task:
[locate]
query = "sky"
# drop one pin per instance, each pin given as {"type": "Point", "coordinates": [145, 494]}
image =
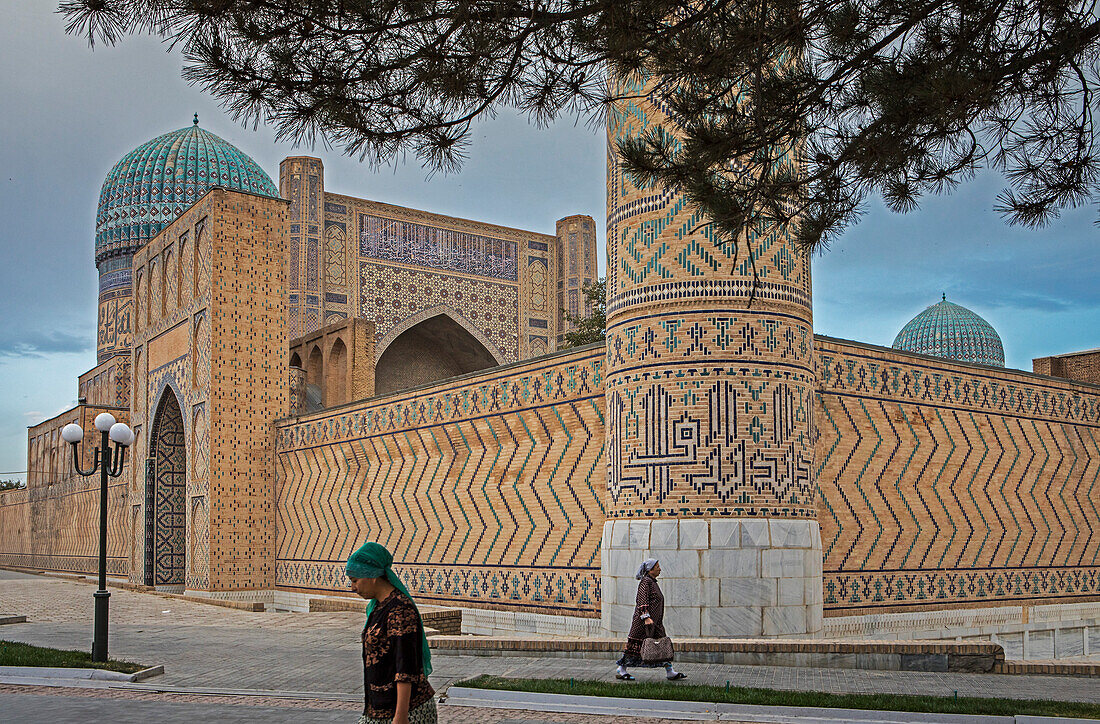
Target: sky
{"type": "Point", "coordinates": [70, 113]}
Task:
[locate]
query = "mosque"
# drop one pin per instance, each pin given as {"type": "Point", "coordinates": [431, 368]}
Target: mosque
{"type": "Point", "coordinates": [305, 369]}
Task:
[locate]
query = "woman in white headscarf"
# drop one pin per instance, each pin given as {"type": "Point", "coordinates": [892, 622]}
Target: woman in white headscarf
{"type": "Point", "coordinates": [648, 622]}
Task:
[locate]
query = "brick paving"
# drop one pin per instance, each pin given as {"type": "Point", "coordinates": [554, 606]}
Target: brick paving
{"type": "Point", "coordinates": [210, 647]}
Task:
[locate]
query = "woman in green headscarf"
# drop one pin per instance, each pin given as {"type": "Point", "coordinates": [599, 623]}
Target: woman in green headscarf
{"type": "Point", "coordinates": [396, 658]}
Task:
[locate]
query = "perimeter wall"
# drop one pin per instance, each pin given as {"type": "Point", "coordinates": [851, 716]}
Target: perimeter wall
{"type": "Point", "coordinates": [488, 489]}
{"type": "Point", "coordinates": [53, 523]}
{"type": "Point", "coordinates": [950, 485]}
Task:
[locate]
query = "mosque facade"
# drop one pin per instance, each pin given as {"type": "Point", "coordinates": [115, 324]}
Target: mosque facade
{"type": "Point", "coordinates": [306, 369]}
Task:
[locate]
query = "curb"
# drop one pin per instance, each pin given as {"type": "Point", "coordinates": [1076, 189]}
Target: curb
{"type": "Point", "coordinates": [49, 674]}
{"type": "Point", "coordinates": [699, 711]}
{"type": "Point", "coordinates": [11, 618]}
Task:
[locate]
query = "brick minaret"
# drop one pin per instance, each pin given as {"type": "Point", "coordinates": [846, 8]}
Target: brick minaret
{"type": "Point", "coordinates": [709, 421]}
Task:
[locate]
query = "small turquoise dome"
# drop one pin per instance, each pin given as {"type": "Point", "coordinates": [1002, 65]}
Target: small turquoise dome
{"type": "Point", "coordinates": [953, 332]}
{"type": "Point", "coordinates": [157, 181]}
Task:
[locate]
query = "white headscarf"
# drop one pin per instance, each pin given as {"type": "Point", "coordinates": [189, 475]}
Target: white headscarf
{"type": "Point", "coordinates": [646, 567]}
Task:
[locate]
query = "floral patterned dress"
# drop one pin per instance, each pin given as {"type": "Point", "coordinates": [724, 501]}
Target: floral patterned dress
{"type": "Point", "coordinates": [392, 653]}
{"type": "Point", "coordinates": [650, 604]}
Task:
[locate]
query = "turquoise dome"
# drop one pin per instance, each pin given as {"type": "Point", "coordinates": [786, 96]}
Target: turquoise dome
{"type": "Point", "coordinates": [159, 180]}
{"type": "Point", "coordinates": [953, 332]}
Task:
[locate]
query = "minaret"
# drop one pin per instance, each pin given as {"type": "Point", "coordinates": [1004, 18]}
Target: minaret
{"type": "Point", "coordinates": [709, 421]}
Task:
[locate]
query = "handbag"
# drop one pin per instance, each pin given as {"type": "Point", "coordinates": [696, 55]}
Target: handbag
{"type": "Point", "coordinates": [657, 651]}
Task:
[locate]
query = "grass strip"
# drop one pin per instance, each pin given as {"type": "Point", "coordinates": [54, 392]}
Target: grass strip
{"type": "Point", "coordinates": [667, 691]}
{"type": "Point", "coordinates": [13, 653]}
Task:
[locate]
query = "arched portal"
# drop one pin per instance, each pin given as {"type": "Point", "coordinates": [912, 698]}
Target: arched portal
{"type": "Point", "coordinates": [433, 349]}
{"type": "Point", "coordinates": [165, 510]}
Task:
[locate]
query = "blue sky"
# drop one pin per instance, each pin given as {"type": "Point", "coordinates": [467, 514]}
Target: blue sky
{"type": "Point", "coordinates": [70, 113]}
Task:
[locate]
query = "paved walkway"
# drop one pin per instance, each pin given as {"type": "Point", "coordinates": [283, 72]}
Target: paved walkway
{"type": "Point", "coordinates": [203, 646]}
{"type": "Point", "coordinates": [40, 704]}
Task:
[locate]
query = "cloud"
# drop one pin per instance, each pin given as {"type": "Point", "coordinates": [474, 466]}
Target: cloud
{"type": "Point", "coordinates": [40, 343]}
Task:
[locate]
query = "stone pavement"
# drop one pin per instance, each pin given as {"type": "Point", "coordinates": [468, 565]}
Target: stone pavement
{"type": "Point", "coordinates": [34, 704]}
{"type": "Point", "coordinates": [203, 646]}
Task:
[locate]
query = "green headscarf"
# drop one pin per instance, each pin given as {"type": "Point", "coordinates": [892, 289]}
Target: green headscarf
{"type": "Point", "coordinates": [373, 561]}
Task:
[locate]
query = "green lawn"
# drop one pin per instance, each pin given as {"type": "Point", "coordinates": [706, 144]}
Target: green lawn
{"type": "Point", "coordinates": [16, 654]}
{"type": "Point", "coordinates": [771, 697]}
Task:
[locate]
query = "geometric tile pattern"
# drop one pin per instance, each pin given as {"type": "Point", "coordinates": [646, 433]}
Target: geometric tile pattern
{"type": "Point", "coordinates": [947, 484]}
{"type": "Point", "coordinates": [488, 490]}
{"type": "Point", "coordinates": [169, 514]}
{"type": "Point", "coordinates": [392, 295]}
{"type": "Point", "coordinates": [709, 394]}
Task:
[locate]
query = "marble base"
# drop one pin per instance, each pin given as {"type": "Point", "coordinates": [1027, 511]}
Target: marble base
{"type": "Point", "coordinates": [722, 578]}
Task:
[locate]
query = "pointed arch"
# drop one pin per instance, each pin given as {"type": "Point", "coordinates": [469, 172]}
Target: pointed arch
{"type": "Point", "coordinates": [165, 495]}
{"type": "Point", "coordinates": [428, 347]}
{"type": "Point", "coordinates": [425, 314]}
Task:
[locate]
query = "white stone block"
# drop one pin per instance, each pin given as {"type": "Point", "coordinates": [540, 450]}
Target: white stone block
{"type": "Point", "coordinates": [754, 534]}
{"type": "Point", "coordinates": [682, 622]}
{"type": "Point", "coordinates": [677, 563]}
{"type": "Point", "coordinates": [753, 591]}
{"type": "Point", "coordinates": [725, 533]}
{"type": "Point", "coordinates": [731, 563]}
{"type": "Point", "coordinates": [790, 533]}
{"type": "Point", "coordinates": [792, 591]}
{"type": "Point", "coordinates": [711, 591]}
{"type": "Point", "coordinates": [732, 622]}
{"type": "Point", "coordinates": [815, 622]}
{"type": "Point", "coordinates": [812, 564]}
{"type": "Point", "coordinates": [639, 534]}
{"type": "Point", "coordinates": [785, 620]}
{"type": "Point", "coordinates": [605, 541]}
{"type": "Point", "coordinates": [621, 616]}
{"type": "Point", "coordinates": [813, 593]}
{"type": "Point", "coordinates": [622, 563]}
{"type": "Point", "coordinates": [694, 534]}
{"type": "Point", "coordinates": [664, 534]}
{"type": "Point", "coordinates": [815, 535]}
{"type": "Point", "coordinates": [682, 591]}
{"type": "Point", "coordinates": [620, 534]}
{"type": "Point", "coordinates": [783, 563]}
{"type": "Point", "coordinates": [626, 591]}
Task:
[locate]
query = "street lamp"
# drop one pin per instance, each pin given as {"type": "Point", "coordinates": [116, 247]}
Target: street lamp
{"type": "Point", "coordinates": [108, 462]}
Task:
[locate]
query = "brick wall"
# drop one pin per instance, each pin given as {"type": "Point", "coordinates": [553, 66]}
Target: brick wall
{"type": "Point", "coordinates": [488, 489]}
{"type": "Point", "coordinates": [947, 484]}
{"type": "Point", "coordinates": [1079, 366]}
{"type": "Point", "coordinates": [53, 524]}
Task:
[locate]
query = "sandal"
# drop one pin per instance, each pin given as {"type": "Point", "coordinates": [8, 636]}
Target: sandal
{"type": "Point", "coordinates": [624, 677]}
{"type": "Point", "coordinates": [679, 675]}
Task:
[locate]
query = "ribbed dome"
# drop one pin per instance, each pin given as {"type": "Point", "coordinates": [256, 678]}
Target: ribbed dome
{"type": "Point", "coordinates": [953, 332]}
{"type": "Point", "coordinates": [159, 180]}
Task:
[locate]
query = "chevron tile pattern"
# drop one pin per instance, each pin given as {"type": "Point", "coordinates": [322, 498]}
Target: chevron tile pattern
{"type": "Point", "coordinates": [949, 484]}
{"type": "Point", "coordinates": [488, 491]}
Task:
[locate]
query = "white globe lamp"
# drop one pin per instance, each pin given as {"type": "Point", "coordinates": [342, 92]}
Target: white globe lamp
{"type": "Point", "coordinates": [72, 433]}
{"type": "Point", "coordinates": [104, 421]}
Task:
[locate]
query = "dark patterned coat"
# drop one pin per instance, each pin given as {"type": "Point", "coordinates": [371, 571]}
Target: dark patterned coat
{"type": "Point", "coordinates": [650, 603]}
{"type": "Point", "coordinates": [392, 653]}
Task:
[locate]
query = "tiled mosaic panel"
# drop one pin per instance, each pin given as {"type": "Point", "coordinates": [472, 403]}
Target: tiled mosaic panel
{"type": "Point", "coordinates": [710, 398]}
{"type": "Point", "coordinates": [114, 327]}
{"type": "Point", "coordinates": [407, 242]}
{"type": "Point", "coordinates": [488, 492]}
{"type": "Point", "coordinates": [169, 471]}
{"type": "Point", "coordinates": [390, 294]}
{"type": "Point", "coordinates": [947, 484]}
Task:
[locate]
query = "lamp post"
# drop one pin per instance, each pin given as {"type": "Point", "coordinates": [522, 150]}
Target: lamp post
{"type": "Point", "coordinates": [109, 463]}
